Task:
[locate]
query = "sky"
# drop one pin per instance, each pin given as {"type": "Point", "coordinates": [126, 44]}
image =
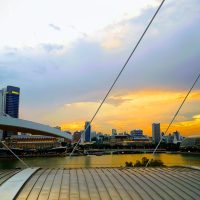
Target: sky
{"type": "Point", "coordinates": [64, 56]}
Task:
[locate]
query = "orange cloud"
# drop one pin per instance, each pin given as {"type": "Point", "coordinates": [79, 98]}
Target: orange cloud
{"type": "Point", "coordinates": [190, 127]}
{"type": "Point", "coordinates": [73, 126]}
{"type": "Point", "coordinates": [135, 109]}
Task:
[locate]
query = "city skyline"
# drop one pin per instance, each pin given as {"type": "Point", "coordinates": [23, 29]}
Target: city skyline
{"type": "Point", "coordinates": [99, 99]}
{"type": "Point", "coordinates": [64, 67]}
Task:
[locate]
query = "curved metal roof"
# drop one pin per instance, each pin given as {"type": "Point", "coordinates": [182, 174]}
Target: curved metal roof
{"type": "Point", "coordinates": [20, 125]}
{"type": "Point", "coordinates": [174, 183]}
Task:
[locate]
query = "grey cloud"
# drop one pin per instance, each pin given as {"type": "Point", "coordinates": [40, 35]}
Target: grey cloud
{"type": "Point", "coordinates": [7, 75]}
{"type": "Point", "coordinates": [170, 58]}
{"type": "Point", "coordinates": [9, 51]}
{"type": "Point", "coordinates": [40, 70]}
{"type": "Point", "coordinates": [116, 101]}
{"type": "Point", "coordinates": [57, 28]}
{"type": "Point", "coordinates": [84, 72]}
{"type": "Point", "coordinates": [52, 47]}
{"type": "Point", "coordinates": [76, 30]}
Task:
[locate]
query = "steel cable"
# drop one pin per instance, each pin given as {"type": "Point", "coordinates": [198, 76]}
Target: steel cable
{"type": "Point", "coordinates": [119, 74]}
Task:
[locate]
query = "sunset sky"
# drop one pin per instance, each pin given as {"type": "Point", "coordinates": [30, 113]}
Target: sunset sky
{"type": "Point", "coordinates": [64, 55]}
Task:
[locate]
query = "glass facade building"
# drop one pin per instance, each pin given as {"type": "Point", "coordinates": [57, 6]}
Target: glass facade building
{"type": "Point", "coordinates": [12, 101]}
{"type": "Point", "coordinates": [156, 136]}
{"type": "Point", "coordinates": [87, 132]}
{"type": "Point", "coordinates": [10, 105]}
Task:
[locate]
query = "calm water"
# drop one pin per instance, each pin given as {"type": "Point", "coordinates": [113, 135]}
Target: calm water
{"type": "Point", "coordinates": [101, 161]}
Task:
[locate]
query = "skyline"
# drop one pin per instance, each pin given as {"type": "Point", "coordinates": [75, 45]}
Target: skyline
{"type": "Point", "coordinates": [65, 62]}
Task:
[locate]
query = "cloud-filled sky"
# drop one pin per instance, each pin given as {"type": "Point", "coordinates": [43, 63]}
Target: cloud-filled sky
{"type": "Point", "coordinates": [64, 55]}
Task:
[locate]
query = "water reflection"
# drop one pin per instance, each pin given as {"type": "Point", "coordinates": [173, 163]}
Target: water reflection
{"type": "Point", "coordinates": [88, 161]}
{"type": "Point", "coordinates": [9, 164]}
{"type": "Point", "coordinates": [101, 161]}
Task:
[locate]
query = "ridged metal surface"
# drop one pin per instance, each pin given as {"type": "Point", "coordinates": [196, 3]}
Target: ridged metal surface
{"type": "Point", "coordinates": [113, 183]}
{"type": "Point", "coordinates": [10, 188]}
{"type": "Point", "coordinates": [6, 174]}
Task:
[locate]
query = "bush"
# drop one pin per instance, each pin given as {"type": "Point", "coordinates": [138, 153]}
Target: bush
{"type": "Point", "coordinates": [128, 164]}
{"type": "Point", "coordinates": [138, 164]}
{"type": "Point", "coordinates": [144, 161]}
{"type": "Point", "coordinates": [156, 163]}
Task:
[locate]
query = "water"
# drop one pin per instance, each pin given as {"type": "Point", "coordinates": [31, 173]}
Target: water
{"type": "Point", "coordinates": [101, 161]}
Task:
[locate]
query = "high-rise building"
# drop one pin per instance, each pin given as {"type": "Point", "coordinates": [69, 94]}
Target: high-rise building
{"type": "Point", "coordinates": [87, 132]}
{"type": "Point", "coordinates": [114, 132]}
{"type": "Point", "coordinates": [9, 104]}
{"type": "Point", "coordinates": [156, 136]}
{"type": "Point", "coordinates": [93, 135]}
{"type": "Point", "coordinates": [136, 132]}
{"type": "Point", "coordinates": [82, 137]}
{"type": "Point", "coordinates": [177, 135]}
{"type": "Point", "coordinates": [1, 103]}
{"type": "Point", "coordinates": [137, 135]}
{"type": "Point", "coordinates": [1, 111]}
{"type": "Point", "coordinates": [12, 101]}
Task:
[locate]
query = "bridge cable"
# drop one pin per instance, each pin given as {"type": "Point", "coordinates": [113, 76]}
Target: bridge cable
{"type": "Point", "coordinates": [174, 117]}
{"type": "Point", "coordinates": [119, 74]}
{"type": "Point", "coordinates": [15, 154]}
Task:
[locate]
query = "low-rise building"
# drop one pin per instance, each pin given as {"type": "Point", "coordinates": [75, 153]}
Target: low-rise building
{"type": "Point", "coordinates": [191, 143]}
{"type": "Point", "coordinates": [26, 142]}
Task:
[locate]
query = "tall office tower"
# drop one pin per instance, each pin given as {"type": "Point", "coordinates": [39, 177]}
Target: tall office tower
{"type": "Point", "coordinates": [156, 136]}
{"type": "Point", "coordinates": [114, 132]}
{"type": "Point", "coordinates": [177, 135]}
{"type": "Point", "coordinates": [82, 136]}
{"type": "Point", "coordinates": [12, 101]}
{"type": "Point", "coordinates": [10, 105]}
{"type": "Point", "coordinates": [1, 111]}
{"type": "Point", "coordinates": [1, 103]}
{"type": "Point", "coordinates": [87, 132]}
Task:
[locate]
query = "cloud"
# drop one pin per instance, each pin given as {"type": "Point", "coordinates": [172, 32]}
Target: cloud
{"type": "Point", "coordinates": [188, 127]}
{"type": "Point", "coordinates": [33, 26]}
{"type": "Point", "coordinates": [78, 31]}
{"type": "Point", "coordinates": [196, 116]}
{"type": "Point", "coordinates": [137, 109]}
{"type": "Point", "coordinates": [118, 100]}
{"type": "Point", "coordinates": [52, 47]}
{"type": "Point", "coordinates": [57, 28]}
{"type": "Point", "coordinates": [54, 68]}
{"type": "Point", "coordinates": [73, 126]}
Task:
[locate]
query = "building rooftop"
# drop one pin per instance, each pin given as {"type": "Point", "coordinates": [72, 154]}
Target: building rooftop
{"type": "Point", "coordinates": [101, 183]}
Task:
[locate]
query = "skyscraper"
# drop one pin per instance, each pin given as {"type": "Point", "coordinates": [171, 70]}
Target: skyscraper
{"type": "Point", "coordinates": [12, 101]}
{"type": "Point", "coordinates": [156, 133]}
{"type": "Point", "coordinates": [87, 132]}
{"type": "Point", "coordinates": [177, 135]}
{"type": "Point", "coordinates": [9, 104]}
{"type": "Point", "coordinates": [1, 103]}
{"type": "Point", "coordinates": [114, 132]}
{"type": "Point", "coordinates": [1, 110]}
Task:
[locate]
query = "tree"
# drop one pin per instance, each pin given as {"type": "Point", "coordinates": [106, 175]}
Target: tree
{"type": "Point", "coordinates": [128, 164]}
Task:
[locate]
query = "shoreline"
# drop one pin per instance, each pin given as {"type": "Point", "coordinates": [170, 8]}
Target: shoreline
{"type": "Point", "coordinates": [93, 154]}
